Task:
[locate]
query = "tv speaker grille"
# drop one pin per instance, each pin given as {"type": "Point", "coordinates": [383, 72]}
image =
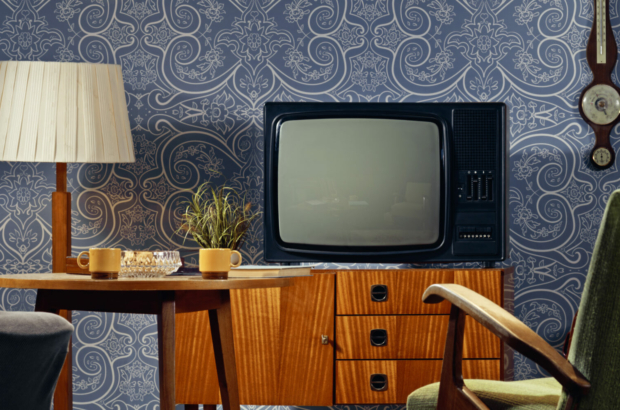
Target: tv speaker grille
{"type": "Point", "coordinates": [475, 138]}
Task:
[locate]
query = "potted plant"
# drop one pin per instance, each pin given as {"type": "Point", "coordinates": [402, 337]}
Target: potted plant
{"type": "Point", "coordinates": [218, 219]}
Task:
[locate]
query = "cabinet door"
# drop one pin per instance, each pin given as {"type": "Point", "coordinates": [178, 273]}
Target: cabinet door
{"type": "Point", "coordinates": [307, 365]}
{"type": "Point", "coordinates": [277, 333]}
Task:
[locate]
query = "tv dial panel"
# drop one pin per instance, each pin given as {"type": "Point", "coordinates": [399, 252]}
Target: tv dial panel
{"type": "Point", "coordinates": [476, 185]}
{"type": "Point", "coordinates": [476, 158]}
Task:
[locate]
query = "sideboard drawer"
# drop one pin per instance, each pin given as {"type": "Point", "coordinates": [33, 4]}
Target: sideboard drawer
{"type": "Point", "coordinates": [402, 377]}
{"type": "Point", "coordinates": [408, 337]}
{"type": "Point", "coordinates": [353, 382]}
{"type": "Point", "coordinates": [388, 292]}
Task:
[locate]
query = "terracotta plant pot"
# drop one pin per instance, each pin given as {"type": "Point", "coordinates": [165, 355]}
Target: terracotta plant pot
{"type": "Point", "coordinates": [215, 263]}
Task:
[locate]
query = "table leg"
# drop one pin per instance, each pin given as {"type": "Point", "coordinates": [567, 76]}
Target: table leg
{"type": "Point", "coordinates": [165, 340]}
{"type": "Point", "coordinates": [63, 395]}
{"type": "Point", "coordinates": [222, 335]}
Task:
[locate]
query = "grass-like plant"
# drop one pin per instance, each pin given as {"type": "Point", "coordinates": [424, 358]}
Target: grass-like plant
{"type": "Point", "coordinates": [217, 217]}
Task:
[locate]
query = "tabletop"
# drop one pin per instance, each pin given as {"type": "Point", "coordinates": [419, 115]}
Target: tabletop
{"type": "Point", "coordinates": [66, 281]}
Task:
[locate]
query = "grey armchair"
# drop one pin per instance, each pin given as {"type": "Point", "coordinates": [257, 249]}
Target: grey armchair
{"type": "Point", "coordinates": [33, 347]}
{"type": "Point", "coordinates": [589, 379]}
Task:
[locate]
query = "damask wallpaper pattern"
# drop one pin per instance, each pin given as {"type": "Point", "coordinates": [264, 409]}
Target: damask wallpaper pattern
{"type": "Point", "coordinates": [196, 76]}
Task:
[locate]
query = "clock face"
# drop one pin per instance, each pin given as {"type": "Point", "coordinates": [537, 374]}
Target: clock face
{"type": "Point", "coordinates": [601, 104]}
{"type": "Point", "coordinates": [601, 157]}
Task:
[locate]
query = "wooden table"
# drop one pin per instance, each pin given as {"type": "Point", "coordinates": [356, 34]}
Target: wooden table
{"type": "Point", "coordinates": [60, 293]}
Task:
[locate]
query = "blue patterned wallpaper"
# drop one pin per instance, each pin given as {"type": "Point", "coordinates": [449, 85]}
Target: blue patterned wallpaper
{"type": "Point", "coordinates": [196, 76]}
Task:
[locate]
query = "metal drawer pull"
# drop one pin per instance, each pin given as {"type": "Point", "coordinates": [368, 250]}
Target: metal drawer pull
{"type": "Point", "coordinates": [324, 339]}
{"type": "Point", "coordinates": [378, 293]}
{"type": "Point", "coordinates": [378, 337]}
{"type": "Point", "coordinates": [378, 382]}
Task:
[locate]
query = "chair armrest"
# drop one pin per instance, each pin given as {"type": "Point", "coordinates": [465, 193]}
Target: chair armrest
{"type": "Point", "coordinates": [511, 331]}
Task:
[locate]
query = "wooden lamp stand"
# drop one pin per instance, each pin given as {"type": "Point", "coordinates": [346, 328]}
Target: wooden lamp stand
{"type": "Point", "coordinates": [61, 221]}
{"type": "Point", "coordinates": [62, 262]}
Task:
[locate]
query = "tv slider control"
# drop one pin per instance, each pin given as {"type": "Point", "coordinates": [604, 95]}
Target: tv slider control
{"type": "Point", "coordinates": [479, 185]}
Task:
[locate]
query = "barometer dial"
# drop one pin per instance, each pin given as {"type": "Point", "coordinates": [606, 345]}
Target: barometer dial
{"type": "Point", "coordinates": [601, 104]}
{"type": "Point", "coordinates": [601, 157]}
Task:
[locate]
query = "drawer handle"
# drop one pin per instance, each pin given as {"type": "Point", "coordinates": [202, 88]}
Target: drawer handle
{"type": "Point", "coordinates": [378, 293]}
{"type": "Point", "coordinates": [378, 382]}
{"type": "Point", "coordinates": [378, 337]}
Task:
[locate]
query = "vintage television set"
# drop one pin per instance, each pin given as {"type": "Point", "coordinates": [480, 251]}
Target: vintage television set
{"type": "Point", "coordinates": [385, 182]}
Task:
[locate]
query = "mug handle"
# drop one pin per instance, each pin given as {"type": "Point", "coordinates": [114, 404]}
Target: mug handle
{"type": "Point", "coordinates": [236, 265]}
{"type": "Point", "coordinates": [80, 257]}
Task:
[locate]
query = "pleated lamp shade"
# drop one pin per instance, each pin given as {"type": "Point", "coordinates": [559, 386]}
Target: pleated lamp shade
{"type": "Point", "coordinates": [63, 112]}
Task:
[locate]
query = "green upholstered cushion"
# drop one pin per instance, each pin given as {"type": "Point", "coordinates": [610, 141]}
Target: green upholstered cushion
{"type": "Point", "coordinates": [595, 349]}
{"type": "Point", "coordinates": [539, 394]}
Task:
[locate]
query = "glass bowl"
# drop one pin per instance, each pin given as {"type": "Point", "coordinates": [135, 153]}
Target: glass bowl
{"type": "Point", "coordinates": [149, 264]}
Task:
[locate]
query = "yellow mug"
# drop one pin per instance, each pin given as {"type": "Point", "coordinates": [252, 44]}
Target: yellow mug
{"type": "Point", "coordinates": [215, 263]}
{"type": "Point", "coordinates": [103, 263]}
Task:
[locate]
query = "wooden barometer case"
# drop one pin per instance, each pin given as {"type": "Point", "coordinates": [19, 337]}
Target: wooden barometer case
{"type": "Point", "coordinates": [599, 104]}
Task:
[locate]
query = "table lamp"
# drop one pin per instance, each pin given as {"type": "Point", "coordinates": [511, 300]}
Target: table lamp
{"type": "Point", "coordinates": [63, 112]}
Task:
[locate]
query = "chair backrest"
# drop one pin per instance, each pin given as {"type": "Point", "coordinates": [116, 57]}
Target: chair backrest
{"type": "Point", "coordinates": [33, 347]}
{"type": "Point", "coordinates": [595, 348]}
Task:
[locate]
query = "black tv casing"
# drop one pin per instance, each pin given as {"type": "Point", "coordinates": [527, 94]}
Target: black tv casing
{"type": "Point", "coordinates": [473, 144]}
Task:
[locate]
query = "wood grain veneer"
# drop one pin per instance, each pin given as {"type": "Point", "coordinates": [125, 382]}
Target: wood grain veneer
{"type": "Point", "coordinates": [405, 290]}
{"type": "Point", "coordinates": [482, 369]}
{"type": "Point", "coordinates": [307, 365]}
{"type": "Point", "coordinates": [404, 377]}
{"type": "Point", "coordinates": [353, 337]}
{"type": "Point", "coordinates": [486, 282]}
{"type": "Point", "coordinates": [406, 287]}
{"type": "Point", "coordinates": [280, 358]}
{"type": "Point", "coordinates": [196, 377]}
{"type": "Point", "coordinates": [63, 281]}
{"type": "Point", "coordinates": [256, 317]}
{"type": "Point", "coordinates": [277, 338]}
{"type": "Point", "coordinates": [353, 382]}
{"type": "Point", "coordinates": [409, 337]}
{"type": "Point", "coordinates": [479, 342]}
{"type": "Point", "coordinates": [256, 321]}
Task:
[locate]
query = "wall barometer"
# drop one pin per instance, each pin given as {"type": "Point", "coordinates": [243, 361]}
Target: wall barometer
{"type": "Point", "coordinates": [599, 104]}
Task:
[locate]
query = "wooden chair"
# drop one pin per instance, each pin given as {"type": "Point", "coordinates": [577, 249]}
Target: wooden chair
{"type": "Point", "coordinates": [588, 379]}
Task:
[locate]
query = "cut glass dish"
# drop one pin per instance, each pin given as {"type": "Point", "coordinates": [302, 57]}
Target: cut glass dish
{"type": "Point", "coordinates": [149, 264]}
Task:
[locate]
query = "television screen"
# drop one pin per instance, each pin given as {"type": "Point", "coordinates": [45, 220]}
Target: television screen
{"type": "Point", "coordinates": [359, 182]}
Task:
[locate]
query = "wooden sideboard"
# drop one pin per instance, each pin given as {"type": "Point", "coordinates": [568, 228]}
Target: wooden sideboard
{"type": "Point", "coordinates": [382, 332]}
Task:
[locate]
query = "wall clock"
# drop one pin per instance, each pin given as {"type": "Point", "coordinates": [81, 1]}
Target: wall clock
{"type": "Point", "coordinates": [599, 104]}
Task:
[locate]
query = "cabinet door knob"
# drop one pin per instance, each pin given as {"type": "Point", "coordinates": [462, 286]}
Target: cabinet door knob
{"type": "Point", "coordinates": [324, 339]}
{"type": "Point", "coordinates": [378, 293]}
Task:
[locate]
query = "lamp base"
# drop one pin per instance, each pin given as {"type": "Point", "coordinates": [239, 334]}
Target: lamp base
{"type": "Point", "coordinates": [73, 268]}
